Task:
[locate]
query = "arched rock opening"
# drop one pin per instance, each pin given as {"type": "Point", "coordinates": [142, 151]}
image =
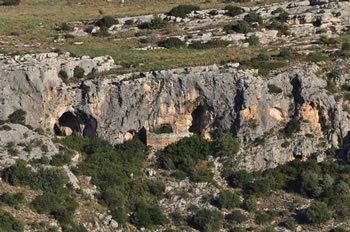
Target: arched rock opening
{"type": "Point", "coordinates": [201, 118]}
{"type": "Point", "coordinates": [77, 123]}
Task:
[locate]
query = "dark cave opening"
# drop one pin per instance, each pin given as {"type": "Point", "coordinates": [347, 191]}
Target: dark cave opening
{"type": "Point", "coordinates": [78, 122]}
{"type": "Point", "coordinates": [200, 119]}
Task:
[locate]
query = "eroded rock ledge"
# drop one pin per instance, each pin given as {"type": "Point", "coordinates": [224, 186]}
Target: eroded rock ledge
{"type": "Point", "coordinates": [203, 100]}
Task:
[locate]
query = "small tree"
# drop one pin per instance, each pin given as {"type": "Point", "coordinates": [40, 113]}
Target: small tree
{"type": "Point", "coordinates": [107, 21]}
{"type": "Point", "coordinates": [227, 145]}
{"type": "Point", "coordinates": [182, 10]}
{"type": "Point", "coordinates": [227, 200]}
{"type": "Point", "coordinates": [11, 2]}
{"type": "Point", "coordinates": [207, 220]}
{"type": "Point", "coordinates": [78, 72]}
{"type": "Point", "coordinates": [233, 10]}
{"type": "Point", "coordinates": [317, 213]}
{"type": "Point", "coordinates": [18, 116]}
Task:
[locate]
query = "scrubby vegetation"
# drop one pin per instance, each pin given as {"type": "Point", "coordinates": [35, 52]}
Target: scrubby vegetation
{"type": "Point", "coordinates": [56, 199]}
{"type": "Point", "coordinates": [172, 43]}
{"type": "Point", "coordinates": [14, 200]}
{"type": "Point", "coordinates": [9, 223]}
{"type": "Point", "coordinates": [182, 10]}
{"type": "Point", "coordinates": [118, 176]}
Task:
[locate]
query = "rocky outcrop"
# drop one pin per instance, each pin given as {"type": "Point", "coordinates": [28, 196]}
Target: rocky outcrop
{"type": "Point", "coordinates": [204, 100]}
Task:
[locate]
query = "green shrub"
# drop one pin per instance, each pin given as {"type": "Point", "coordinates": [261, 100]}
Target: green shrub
{"type": "Point", "coordinates": [163, 129]}
{"type": "Point", "coordinates": [172, 43]}
{"type": "Point", "coordinates": [331, 87]}
{"type": "Point", "coordinates": [45, 179]}
{"type": "Point", "coordinates": [240, 179]}
{"type": "Point", "coordinates": [282, 28]}
{"type": "Point", "coordinates": [285, 53]}
{"type": "Point", "coordinates": [290, 223]}
{"type": "Point", "coordinates": [14, 200]}
{"type": "Point", "coordinates": [107, 21]}
{"type": "Point", "coordinates": [293, 126]}
{"type": "Point", "coordinates": [201, 175]}
{"type": "Point", "coordinates": [328, 40]}
{"type": "Point", "coordinates": [183, 10]}
{"type": "Point", "coordinates": [345, 46]}
{"type": "Point", "coordinates": [65, 27]}
{"type": "Point", "coordinates": [274, 89]}
{"type": "Point", "coordinates": [157, 188]}
{"type": "Point", "coordinates": [63, 75]}
{"type": "Point", "coordinates": [317, 213]}
{"type": "Point", "coordinates": [226, 145]}
{"type": "Point", "coordinates": [113, 198]}
{"type": "Point", "coordinates": [236, 217]}
{"type": "Point", "coordinates": [9, 223]}
{"type": "Point", "coordinates": [78, 72]}
{"type": "Point", "coordinates": [61, 159]}
{"type": "Point", "coordinates": [240, 27]}
{"type": "Point", "coordinates": [227, 200]}
{"type": "Point", "coordinates": [156, 23]}
{"type": "Point", "coordinates": [253, 40]}
{"type": "Point", "coordinates": [60, 205]}
{"type": "Point", "coordinates": [253, 17]}
{"type": "Point", "coordinates": [103, 32]}
{"type": "Point", "coordinates": [339, 229]}
{"type": "Point", "coordinates": [262, 218]}
{"type": "Point", "coordinates": [210, 44]}
{"type": "Point", "coordinates": [11, 2]}
{"type": "Point", "coordinates": [316, 58]}
{"type": "Point", "coordinates": [18, 117]}
{"type": "Point", "coordinates": [207, 220]}
{"type": "Point", "coordinates": [233, 10]}
{"type": "Point", "coordinates": [184, 154]}
{"type": "Point", "coordinates": [146, 215]}
{"type": "Point", "coordinates": [282, 15]}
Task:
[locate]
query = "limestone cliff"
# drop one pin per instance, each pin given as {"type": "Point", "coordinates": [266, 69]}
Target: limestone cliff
{"type": "Point", "coordinates": [204, 100]}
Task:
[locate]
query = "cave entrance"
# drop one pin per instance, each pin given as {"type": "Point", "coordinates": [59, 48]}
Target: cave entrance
{"type": "Point", "coordinates": [200, 119]}
{"type": "Point", "coordinates": [77, 123]}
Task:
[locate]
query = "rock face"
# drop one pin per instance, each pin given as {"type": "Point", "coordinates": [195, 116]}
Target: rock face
{"type": "Point", "coordinates": [204, 100]}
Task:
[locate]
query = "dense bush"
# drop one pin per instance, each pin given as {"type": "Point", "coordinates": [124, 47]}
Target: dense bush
{"type": "Point", "coordinates": [282, 28]}
{"type": "Point", "coordinates": [253, 40]}
{"type": "Point", "coordinates": [9, 223]}
{"type": "Point", "coordinates": [233, 10]}
{"type": "Point", "coordinates": [317, 213]}
{"type": "Point", "coordinates": [236, 217]}
{"type": "Point", "coordinates": [11, 2]}
{"type": "Point", "coordinates": [293, 126]}
{"type": "Point", "coordinates": [61, 159]}
{"type": "Point", "coordinates": [78, 72]}
{"type": "Point", "coordinates": [156, 23]}
{"type": "Point", "coordinates": [58, 204]}
{"type": "Point", "coordinates": [183, 10]}
{"type": "Point", "coordinates": [18, 116]}
{"type": "Point", "coordinates": [63, 75]}
{"type": "Point", "coordinates": [118, 176]}
{"type": "Point", "coordinates": [209, 44]}
{"type": "Point", "coordinates": [146, 215]}
{"type": "Point", "coordinates": [282, 15]}
{"type": "Point", "coordinates": [184, 154]}
{"type": "Point", "coordinates": [227, 199]}
{"type": "Point", "coordinates": [107, 21]}
{"type": "Point", "coordinates": [240, 27]}
{"type": "Point", "coordinates": [207, 220]}
{"type": "Point", "coordinates": [172, 43]}
{"type": "Point", "coordinates": [262, 218]}
{"type": "Point", "coordinates": [226, 145]}
{"type": "Point", "coordinates": [240, 179]}
{"type": "Point", "coordinates": [14, 200]}
{"type": "Point", "coordinates": [253, 17]}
